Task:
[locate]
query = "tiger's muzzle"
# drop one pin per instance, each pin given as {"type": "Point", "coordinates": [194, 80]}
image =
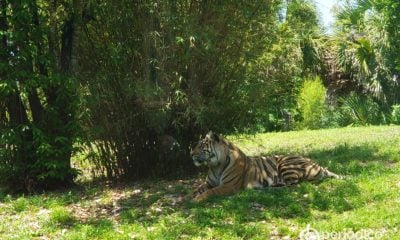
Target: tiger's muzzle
{"type": "Point", "coordinates": [202, 158]}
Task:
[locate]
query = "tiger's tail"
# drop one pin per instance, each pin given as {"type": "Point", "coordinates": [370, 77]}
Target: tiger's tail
{"type": "Point", "coordinates": [330, 174]}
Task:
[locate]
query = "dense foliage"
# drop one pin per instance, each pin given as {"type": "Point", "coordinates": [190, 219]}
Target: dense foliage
{"type": "Point", "coordinates": [133, 83]}
{"type": "Point", "coordinates": [39, 93]}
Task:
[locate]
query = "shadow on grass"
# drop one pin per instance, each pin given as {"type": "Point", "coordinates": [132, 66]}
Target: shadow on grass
{"type": "Point", "coordinates": [284, 203]}
{"type": "Point", "coordinates": [71, 195]}
{"type": "Point", "coordinates": [153, 201]}
{"type": "Point", "coordinates": [148, 203]}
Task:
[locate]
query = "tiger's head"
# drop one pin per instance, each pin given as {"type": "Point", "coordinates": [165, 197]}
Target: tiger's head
{"type": "Point", "coordinates": [210, 151]}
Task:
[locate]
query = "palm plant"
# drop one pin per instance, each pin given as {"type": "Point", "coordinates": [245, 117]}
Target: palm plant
{"type": "Point", "coordinates": [359, 110]}
{"type": "Point", "coordinates": [364, 48]}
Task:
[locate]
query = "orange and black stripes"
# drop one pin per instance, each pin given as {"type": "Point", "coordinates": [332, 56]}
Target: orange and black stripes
{"type": "Point", "coordinates": [231, 170]}
{"type": "Point", "coordinates": [272, 171]}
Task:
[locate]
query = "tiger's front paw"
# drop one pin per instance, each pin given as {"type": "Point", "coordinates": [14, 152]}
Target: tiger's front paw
{"type": "Point", "coordinates": [200, 198]}
{"type": "Point", "coordinates": [198, 192]}
{"type": "Point", "coordinates": [191, 196]}
{"type": "Point", "coordinates": [195, 194]}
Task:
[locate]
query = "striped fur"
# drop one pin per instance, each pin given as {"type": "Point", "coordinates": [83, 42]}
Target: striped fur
{"type": "Point", "coordinates": [230, 170]}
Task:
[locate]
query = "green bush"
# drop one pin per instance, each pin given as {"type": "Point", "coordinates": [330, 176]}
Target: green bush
{"type": "Point", "coordinates": [359, 110]}
{"type": "Point", "coordinates": [311, 101]}
{"type": "Point", "coordinates": [396, 114]}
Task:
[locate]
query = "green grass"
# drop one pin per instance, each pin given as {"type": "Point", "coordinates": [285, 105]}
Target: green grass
{"type": "Point", "coordinates": [367, 202]}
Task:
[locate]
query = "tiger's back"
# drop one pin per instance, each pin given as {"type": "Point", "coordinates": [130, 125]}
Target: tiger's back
{"type": "Point", "coordinates": [274, 171]}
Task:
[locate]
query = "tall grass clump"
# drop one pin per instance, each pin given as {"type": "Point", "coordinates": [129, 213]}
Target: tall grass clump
{"type": "Point", "coordinates": [61, 216]}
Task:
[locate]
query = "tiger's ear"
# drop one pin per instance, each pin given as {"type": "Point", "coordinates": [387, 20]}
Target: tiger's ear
{"type": "Point", "coordinates": [213, 136]}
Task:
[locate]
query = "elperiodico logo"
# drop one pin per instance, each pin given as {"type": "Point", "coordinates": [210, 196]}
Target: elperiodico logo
{"type": "Point", "coordinates": [310, 233]}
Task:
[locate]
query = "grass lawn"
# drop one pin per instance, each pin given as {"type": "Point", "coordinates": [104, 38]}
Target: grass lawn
{"type": "Point", "coordinates": [366, 204]}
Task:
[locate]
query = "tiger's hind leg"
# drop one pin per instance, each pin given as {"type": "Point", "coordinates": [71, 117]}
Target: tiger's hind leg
{"type": "Point", "coordinates": [292, 178]}
{"type": "Point", "coordinates": [292, 182]}
{"type": "Point", "coordinates": [318, 173]}
{"type": "Point", "coordinates": [279, 182]}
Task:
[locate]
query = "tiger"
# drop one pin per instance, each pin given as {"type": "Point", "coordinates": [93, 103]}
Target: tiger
{"type": "Point", "coordinates": [230, 170]}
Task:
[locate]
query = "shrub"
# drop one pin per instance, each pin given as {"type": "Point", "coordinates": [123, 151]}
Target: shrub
{"type": "Point", "coordinates": [311, 101]}
{"type": "Point", "coordinates": [396, 114]}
